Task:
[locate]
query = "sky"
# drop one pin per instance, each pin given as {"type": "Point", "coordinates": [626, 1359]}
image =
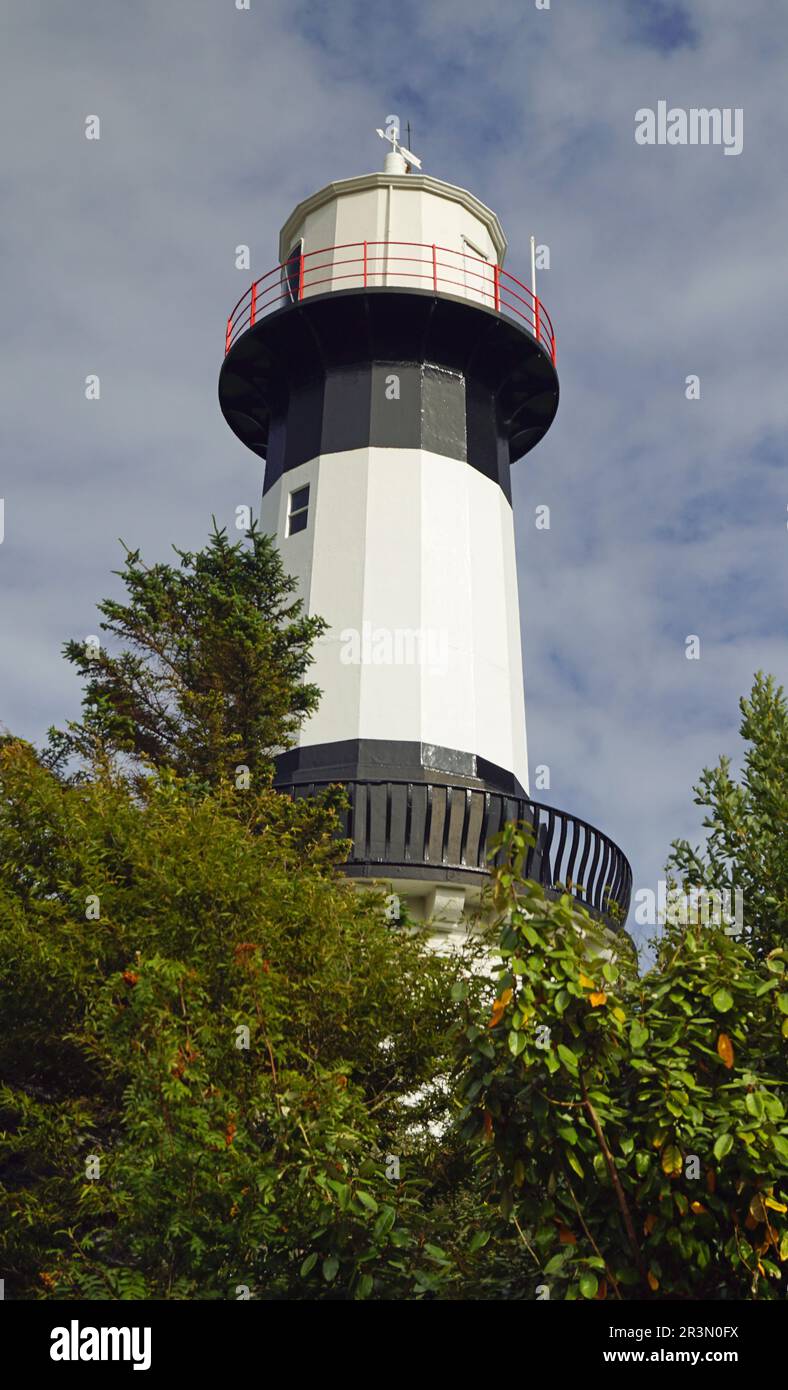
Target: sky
{"type": "Point", "coordinates": [117, 257]}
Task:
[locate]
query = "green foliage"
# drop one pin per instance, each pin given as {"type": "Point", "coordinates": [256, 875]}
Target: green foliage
{"type": "Point", "coordinates": [210, 674]}
{"type": "Point", "coordinates": [220, 1166]}
{"type": "Point", "coordinates": [747, 820]}
{"type": "Point", "coordinates": [631, 1129]}
{"type": "Point", "coordinates": [605, 1135]}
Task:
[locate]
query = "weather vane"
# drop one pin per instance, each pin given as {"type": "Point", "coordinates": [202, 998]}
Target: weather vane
{"type": "Point", "coordinates": [391, 133]}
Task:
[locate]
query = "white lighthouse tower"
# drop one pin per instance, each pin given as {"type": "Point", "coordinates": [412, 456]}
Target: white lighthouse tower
{"type": "Point", "coordinates": [390, 371]}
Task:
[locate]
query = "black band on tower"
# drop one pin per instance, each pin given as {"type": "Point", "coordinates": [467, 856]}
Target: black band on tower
{"type": "Point", "coordinates": [373, 759]}
{"type": "Point", "coordinates": [390, 405]}
{"type": "Point", "coordinates": [312, 379]}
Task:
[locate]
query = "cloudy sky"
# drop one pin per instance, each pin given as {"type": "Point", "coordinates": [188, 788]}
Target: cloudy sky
{"type": "Point", "coordinates": [668, 515]}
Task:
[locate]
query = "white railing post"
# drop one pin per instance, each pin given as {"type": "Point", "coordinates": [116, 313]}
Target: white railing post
{"type": "Point", "coordinates": [533, 288]}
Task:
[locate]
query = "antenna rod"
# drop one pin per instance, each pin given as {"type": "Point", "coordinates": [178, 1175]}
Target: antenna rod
{"type": "Point", "coordinates": [533, 287]}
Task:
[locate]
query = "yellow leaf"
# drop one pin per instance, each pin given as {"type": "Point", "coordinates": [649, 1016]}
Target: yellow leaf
{"type": "Point", "coordinates": [725, 1049]}
{"type": "Point", "coordinates": [649, 1223]}
{"type": "Point", "coordinates": [596, 999]}
{"type": "Point", "coordinates": [698, 1208]}
{"type": "Point", "coordinates": [653, 1282]}
{"type": "Point", "coordinates": [586, 983]}
{"type": "Point", "coordinates": [620, 1015]}
{"type": "Point", "coordinates": [757, 1208]}
{"type": "Point", "coordinates": [499, 1006]}
{"type": "Point", "coordinates": [775, 1206]}
{"type": "Point", "coordinates": [671, 1161]}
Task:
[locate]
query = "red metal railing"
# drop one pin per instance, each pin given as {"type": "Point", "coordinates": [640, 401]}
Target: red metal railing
{"type": "Point", "coordinates": [377, 263]}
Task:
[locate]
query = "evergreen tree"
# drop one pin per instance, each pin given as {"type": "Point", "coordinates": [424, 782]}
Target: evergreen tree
{"type": "Point", "coordinates": [747, 822]}
{"type": "Point", "coordinates": [210, 674]}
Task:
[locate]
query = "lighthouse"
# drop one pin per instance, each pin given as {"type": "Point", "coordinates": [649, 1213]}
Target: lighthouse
{"type": "Point", "coordinates": [390, 372]}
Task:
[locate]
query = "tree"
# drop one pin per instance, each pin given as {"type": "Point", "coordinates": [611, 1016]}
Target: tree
{"type": "Point", "coordinates": [746, 822]}
{"type": "Point", "coordinates": [210, 676]}
{"type": "Point", "coordinates": [224, 1071]}
{"type": "Point", "coordinates": [631, 1129]}
{"type": "Point", "coordinates": [218, 1057]}
{"type": "Point", "coordinates": [208, 1040]}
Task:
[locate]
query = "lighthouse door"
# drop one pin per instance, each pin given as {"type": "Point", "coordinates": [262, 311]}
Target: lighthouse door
{"type": "Point", "coordinates": [291, 270]}
{"type": "Point", "coordinates": [477, 274]}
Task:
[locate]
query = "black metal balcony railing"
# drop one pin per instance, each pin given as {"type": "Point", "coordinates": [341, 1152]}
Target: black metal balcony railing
{"type": "Point", "coordinates": [432, 826]}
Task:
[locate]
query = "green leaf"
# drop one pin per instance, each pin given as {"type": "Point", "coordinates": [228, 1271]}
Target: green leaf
{"type": "Point", "coordinates": [385, 1221]}
{"type": "Point", "coordinates": [478, 1241]}
{"type": "Point", "coordinates": [366, 1199]}
{"type": "Point", "coordinates": [722, 1001]}
{"type": "Point", "coordinates": [754, 1104]}
{"type": "Point", "coordinates": [516, 1042]}
{"type": "Point", "coordinates": [309, 1264]}
{"type": "Point", "coordinates": [589, 1285]}
{"type": "Point", "coordinates": [574, 1162]}
{"type": "Point", "coordinates": [330, 1267]}
{"type": "Point", "coordinates": [723, 1145]}
{"type": "Point", "coordinates": [531, 936]}
{"type": "Point", "coordinates": [567, 1057]}
{"type": "Point", "coordinates": [436, 1252]}
{"type": "Point", "coordinates": [638, 1035]}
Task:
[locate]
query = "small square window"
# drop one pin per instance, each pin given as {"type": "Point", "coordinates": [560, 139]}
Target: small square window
{"type": "Point", "coordinates": [297, 510]}
{"type": "Point", "coordinates": [297, 523]}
